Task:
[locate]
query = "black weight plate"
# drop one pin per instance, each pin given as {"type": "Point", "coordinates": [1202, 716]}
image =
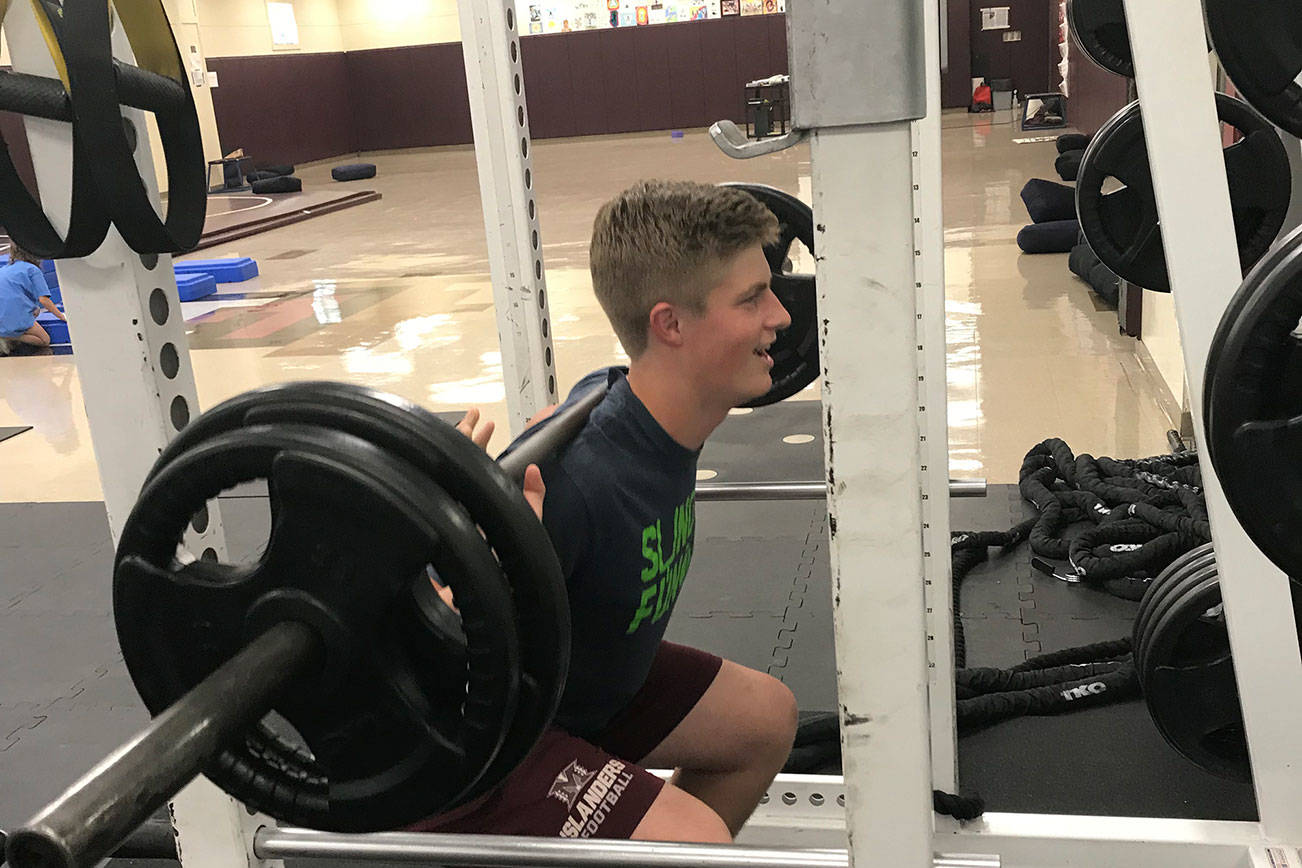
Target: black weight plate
{"type": "Point", "coordinates": [351, 526]}
{"type": "Point", "coordinates": [795, 352]}
{"type": "Point", "coordinates": [1190, 688]}
{"type": "Point", "coordinates": [1261, 49]}
{"type": "Point", "coordinates": [1254, 433]}
{"type": "Point", "coordinates": [1195, 572]}
{"type": "Point", "coordinates": [1100, 28]}
{"type": "Point", "coordinates": [1123, 226]}
{"type": "Point", "coordinates": [1274, 259]}
{"type": "Point", "coordinates": [1158, 586]}
{"type": "Point", "coordinates": [1191, 561]}
{"type": "Point", "coordinates": [469, 476]}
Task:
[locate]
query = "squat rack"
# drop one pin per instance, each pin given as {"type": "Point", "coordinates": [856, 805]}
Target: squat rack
{"type": "Point", "coordinates": [880, 277]}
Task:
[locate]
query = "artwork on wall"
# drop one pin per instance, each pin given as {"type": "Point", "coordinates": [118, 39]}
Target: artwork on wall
{"type": "Point", "coordinates": [284, 29]}
{"type": "Point", "coordinates": [560, 16]}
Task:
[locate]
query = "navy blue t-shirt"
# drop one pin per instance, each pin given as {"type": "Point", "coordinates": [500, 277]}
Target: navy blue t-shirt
{"type": "Point", "coordinates": [621, 511]}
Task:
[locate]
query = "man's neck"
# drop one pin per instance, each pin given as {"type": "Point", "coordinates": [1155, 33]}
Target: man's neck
{"type": "Point", "coordinates": [678, 410]}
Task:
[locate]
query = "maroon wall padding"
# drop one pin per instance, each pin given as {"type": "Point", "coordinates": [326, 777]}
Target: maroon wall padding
{"type": "Point", "coordinates": [753, 60]}
{"type": "Point", "coordinates": [651, 57]}
{"type": "Point", "coordinates": [1096, 94]}
{"type": "Point", "coordinates": [548, 89]}
{"type": "Point", "coordinates": [686, 76]}
{"type": "Point", "coordinates": [15, 135]}
{"type": "Point", "coordinates": [620, 106]}
{"type": "Point", "coordinates": [723, 96]}
{"type": "Point", "coordinates": [293, 108]}
{"type": "Point", "coordinates": [408, 97]}
{"type": "Point", "coordinates": [286, 108]}
{"type": "Point", "coordinates": [588, 83]}
{"type": "Point", "coordinates": [956, 79]}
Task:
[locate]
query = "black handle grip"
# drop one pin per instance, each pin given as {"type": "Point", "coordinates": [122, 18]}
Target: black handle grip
{"type": "Point", "coordinates": [554, 433]}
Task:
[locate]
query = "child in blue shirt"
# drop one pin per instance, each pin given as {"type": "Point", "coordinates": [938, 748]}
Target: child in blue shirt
{"type": "Point", "coordinates": [23, 292]}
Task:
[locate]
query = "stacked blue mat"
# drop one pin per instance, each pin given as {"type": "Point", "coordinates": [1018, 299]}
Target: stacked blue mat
{"type": "Point", "coordinates": [195, 279]}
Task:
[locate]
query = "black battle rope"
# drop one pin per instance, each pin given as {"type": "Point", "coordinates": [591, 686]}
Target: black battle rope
{"type": "Point", "coordinates": [99, 87]}
{"type": "Point", "coordinates": [89, 93]}
{"type": "Point", "coordinates": [1054, 683]}
{"type": "Point", "coordinates": [1144, 513]}
{"type": "Point", "coordinates": [20, 212]}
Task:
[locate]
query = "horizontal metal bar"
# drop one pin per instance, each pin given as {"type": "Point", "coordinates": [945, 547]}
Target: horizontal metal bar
{"type": "Point", "coordinates": [500, 850]}
{"type": "Point", "coordinates": [967, 488]}
{"type": "Point", "coordinates": [723, 491]}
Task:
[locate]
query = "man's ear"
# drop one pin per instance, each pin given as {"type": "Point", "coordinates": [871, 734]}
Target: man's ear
{"type": "Point", "coordinates": [665, 325]}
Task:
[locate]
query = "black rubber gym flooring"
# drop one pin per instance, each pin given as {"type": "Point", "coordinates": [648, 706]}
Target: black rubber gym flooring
{"type": "Point", "coordinates": [759, 592]}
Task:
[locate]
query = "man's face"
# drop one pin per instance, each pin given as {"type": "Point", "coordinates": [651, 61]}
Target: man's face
{"type": "Point", "coordinates": [729, 341]}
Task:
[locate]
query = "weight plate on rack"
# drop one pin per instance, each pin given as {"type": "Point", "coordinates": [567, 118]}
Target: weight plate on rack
{"type": "Point", "coordinates": [1122, 226]}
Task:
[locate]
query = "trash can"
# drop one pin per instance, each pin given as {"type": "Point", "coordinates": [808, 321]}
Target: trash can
{"type": "Point", "coordinates": [1001, 93]}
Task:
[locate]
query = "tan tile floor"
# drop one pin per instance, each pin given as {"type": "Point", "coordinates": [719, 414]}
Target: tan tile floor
{"type": "Point", "coordinates": [395, 294]}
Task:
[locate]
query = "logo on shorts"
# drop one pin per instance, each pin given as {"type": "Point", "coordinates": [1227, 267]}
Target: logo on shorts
{"type": "Point", "coordinates": [570, 783]}
{"type": "Point", "coordinates": [587, 814]}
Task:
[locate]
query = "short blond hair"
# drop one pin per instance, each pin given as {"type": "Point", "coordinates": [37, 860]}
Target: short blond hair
{"type": "Point", "coordinates": [669, 241]}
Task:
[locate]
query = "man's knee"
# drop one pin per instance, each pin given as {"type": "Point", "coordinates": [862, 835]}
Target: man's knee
{"type": "Point", "coordinates": [676, 815]}
{"type": "Point", "coordinates": [780, 713]}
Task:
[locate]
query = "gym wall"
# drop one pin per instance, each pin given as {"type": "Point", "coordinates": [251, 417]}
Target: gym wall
{"type": "Point", "coordinates": [240, 28]}
{"type": "Point", "coordinates": [1030, 62]}
{"type": "Point", "coordinates": [667, 76]}
{"type": "Point", "coordinates": [366, 24]}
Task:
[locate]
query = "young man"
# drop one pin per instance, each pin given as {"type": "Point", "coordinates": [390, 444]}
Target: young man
{"type": "Point", "coordinates": [680, 272]}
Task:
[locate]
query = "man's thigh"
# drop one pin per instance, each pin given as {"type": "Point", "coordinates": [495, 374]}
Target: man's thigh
{"type": "Point", "coordinates": [742, 712]}
{"type": "Point", "coordinates": [566, 787]}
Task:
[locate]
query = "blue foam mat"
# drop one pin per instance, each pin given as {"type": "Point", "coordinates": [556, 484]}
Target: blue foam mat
{"type": "Point", "coordinates": [224, 270]}
{"type": "Point", "coordinates": [192, 287]}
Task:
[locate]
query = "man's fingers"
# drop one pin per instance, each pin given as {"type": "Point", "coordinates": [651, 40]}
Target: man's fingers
{"type": "Point", "coordinates": [484, 434]}
{"type": "Point", "coordinates": [540, 415]}
{"type": "Point", "coordinates": [467, 424]}
{"type": "Point", "coordinates": [534, 490]}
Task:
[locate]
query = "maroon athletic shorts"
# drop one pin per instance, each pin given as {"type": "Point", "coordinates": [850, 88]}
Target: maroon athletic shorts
{"type": "Point", "coordinates": [570, 787]}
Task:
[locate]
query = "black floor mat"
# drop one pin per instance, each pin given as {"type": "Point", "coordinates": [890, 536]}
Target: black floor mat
{"type": "Point", "coordinates": [759, 591]}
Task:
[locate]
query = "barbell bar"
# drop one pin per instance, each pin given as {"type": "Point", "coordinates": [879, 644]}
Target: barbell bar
{"type": "Point", "coordinates": [522, 852]}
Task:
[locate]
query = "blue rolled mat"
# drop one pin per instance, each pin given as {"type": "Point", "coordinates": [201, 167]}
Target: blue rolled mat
{"type": "Point", "coordinates": [1056, 236]}
{"type": "Point", "coordinates": [1072, 142]}
{"type": "Point", "coordinates": [191, 287]}
{"type": "Point", "coordinates": [278, 184]}
{"type": "Point", "coordinates": [223, 270]}
{"type": "Point", "coordinates": [1068, 164]}
{"type": "Point", "coordinates": [1049, 200]}
{"type": "Point", "coordinates": [353, 171]}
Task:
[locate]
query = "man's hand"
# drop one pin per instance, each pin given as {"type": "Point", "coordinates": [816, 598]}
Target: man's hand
{"type": "Point", "coordinates": [534, 490]}
{"type": "Point", "coordinates": [470, 425]}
